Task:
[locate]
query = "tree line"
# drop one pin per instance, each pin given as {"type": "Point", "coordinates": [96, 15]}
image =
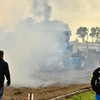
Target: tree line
{"type": "Point", "coordinates": [94, 33]}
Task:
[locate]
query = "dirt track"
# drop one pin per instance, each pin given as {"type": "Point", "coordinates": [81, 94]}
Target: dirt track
{"type": "Point", "coordinates": [42, 93]}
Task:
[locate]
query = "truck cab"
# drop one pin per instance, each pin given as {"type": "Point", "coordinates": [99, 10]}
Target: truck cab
{"type": "Point", "coordinates": [63, 57]}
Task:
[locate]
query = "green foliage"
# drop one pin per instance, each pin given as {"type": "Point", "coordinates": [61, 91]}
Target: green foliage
{"type": "Point", "coordinates": [98, 34]}
{"type": "Point", "coordinates": [94, 33]}
{"type": "Point", "coordinates": [89, 95]}
{"type": "Point", "coordinates": [82, 32]}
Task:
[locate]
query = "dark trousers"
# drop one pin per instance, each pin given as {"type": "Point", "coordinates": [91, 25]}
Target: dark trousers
{"type": "Point", "coordinates": [1, 92]}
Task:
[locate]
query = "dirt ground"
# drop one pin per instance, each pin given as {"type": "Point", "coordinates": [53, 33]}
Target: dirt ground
{"type": "Point", "coordinates": [42, 93]}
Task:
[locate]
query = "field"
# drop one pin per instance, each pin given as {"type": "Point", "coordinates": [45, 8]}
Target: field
{"type": "Point", "coordinates": [42, 93]}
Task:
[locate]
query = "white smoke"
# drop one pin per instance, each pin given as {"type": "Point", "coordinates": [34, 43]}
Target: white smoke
{"type": "Point", "coordinates": [26, 48]}
{"type": "Point", "coordinates": [30, 44]}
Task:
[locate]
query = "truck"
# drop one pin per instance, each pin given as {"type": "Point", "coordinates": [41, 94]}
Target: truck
{"type": "Point", "coordinates": [66, 55]}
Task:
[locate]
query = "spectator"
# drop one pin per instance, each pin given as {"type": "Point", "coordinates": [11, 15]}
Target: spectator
{"type": "Point", "coordinates": [95, 82]}
{"type": "Point", "coordinates": [4, 72]}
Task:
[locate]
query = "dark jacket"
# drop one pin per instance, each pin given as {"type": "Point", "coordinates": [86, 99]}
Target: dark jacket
{"type": "Point", "coordinates": [4, 72]}
{"type": "Point", "coordinates": [95, 81]}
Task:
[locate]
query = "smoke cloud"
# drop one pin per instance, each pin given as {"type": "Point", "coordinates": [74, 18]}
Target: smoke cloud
{"type": "Point", "coordinates": [26, 49]}
{"type": "Point", "coordinates": [41, 9]}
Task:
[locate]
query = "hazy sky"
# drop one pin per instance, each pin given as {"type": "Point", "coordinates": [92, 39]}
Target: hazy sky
{"type": "Point", "coordinates": [75, 13]}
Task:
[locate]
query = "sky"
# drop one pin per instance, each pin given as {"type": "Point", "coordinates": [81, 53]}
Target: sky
{"type": "Point", "coordinates": [75, 13]}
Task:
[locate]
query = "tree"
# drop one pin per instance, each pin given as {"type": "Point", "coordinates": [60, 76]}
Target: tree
{"type": "Point", "coordinates": [93, 33]}
{"type": "Point", "coordinates": [98, 33]}
{"type": "Point", "coordinates": [82, 32]}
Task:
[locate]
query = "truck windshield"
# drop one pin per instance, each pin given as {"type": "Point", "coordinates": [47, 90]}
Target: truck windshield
{"type": "Point", "coordinates": [64, 37]}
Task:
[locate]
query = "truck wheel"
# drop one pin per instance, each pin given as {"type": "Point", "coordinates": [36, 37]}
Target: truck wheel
{"type": "Point", "coordinates": [61, 65]}
{"type": "Point", "coordinates": [81, 64]}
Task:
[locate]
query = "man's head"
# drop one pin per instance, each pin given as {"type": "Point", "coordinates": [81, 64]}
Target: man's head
{"type": "Point", "coordinates": [1, 54]}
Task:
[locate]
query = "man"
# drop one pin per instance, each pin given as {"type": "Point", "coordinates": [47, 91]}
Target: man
{"type": "Point", "coordinates": [95, 82]}
{"type": "Point", "coordinates": [4, 72]}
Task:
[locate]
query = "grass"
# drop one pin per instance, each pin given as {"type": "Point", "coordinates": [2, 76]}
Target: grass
{"type": "Point", "coordinates": [89, 95]}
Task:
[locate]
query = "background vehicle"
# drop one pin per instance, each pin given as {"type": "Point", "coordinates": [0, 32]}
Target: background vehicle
{"type": "Point", "coordinates": [65, 56]}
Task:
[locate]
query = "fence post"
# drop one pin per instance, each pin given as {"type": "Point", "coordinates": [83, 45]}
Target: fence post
{"type": "Point", "coordinates": [30, 96]}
